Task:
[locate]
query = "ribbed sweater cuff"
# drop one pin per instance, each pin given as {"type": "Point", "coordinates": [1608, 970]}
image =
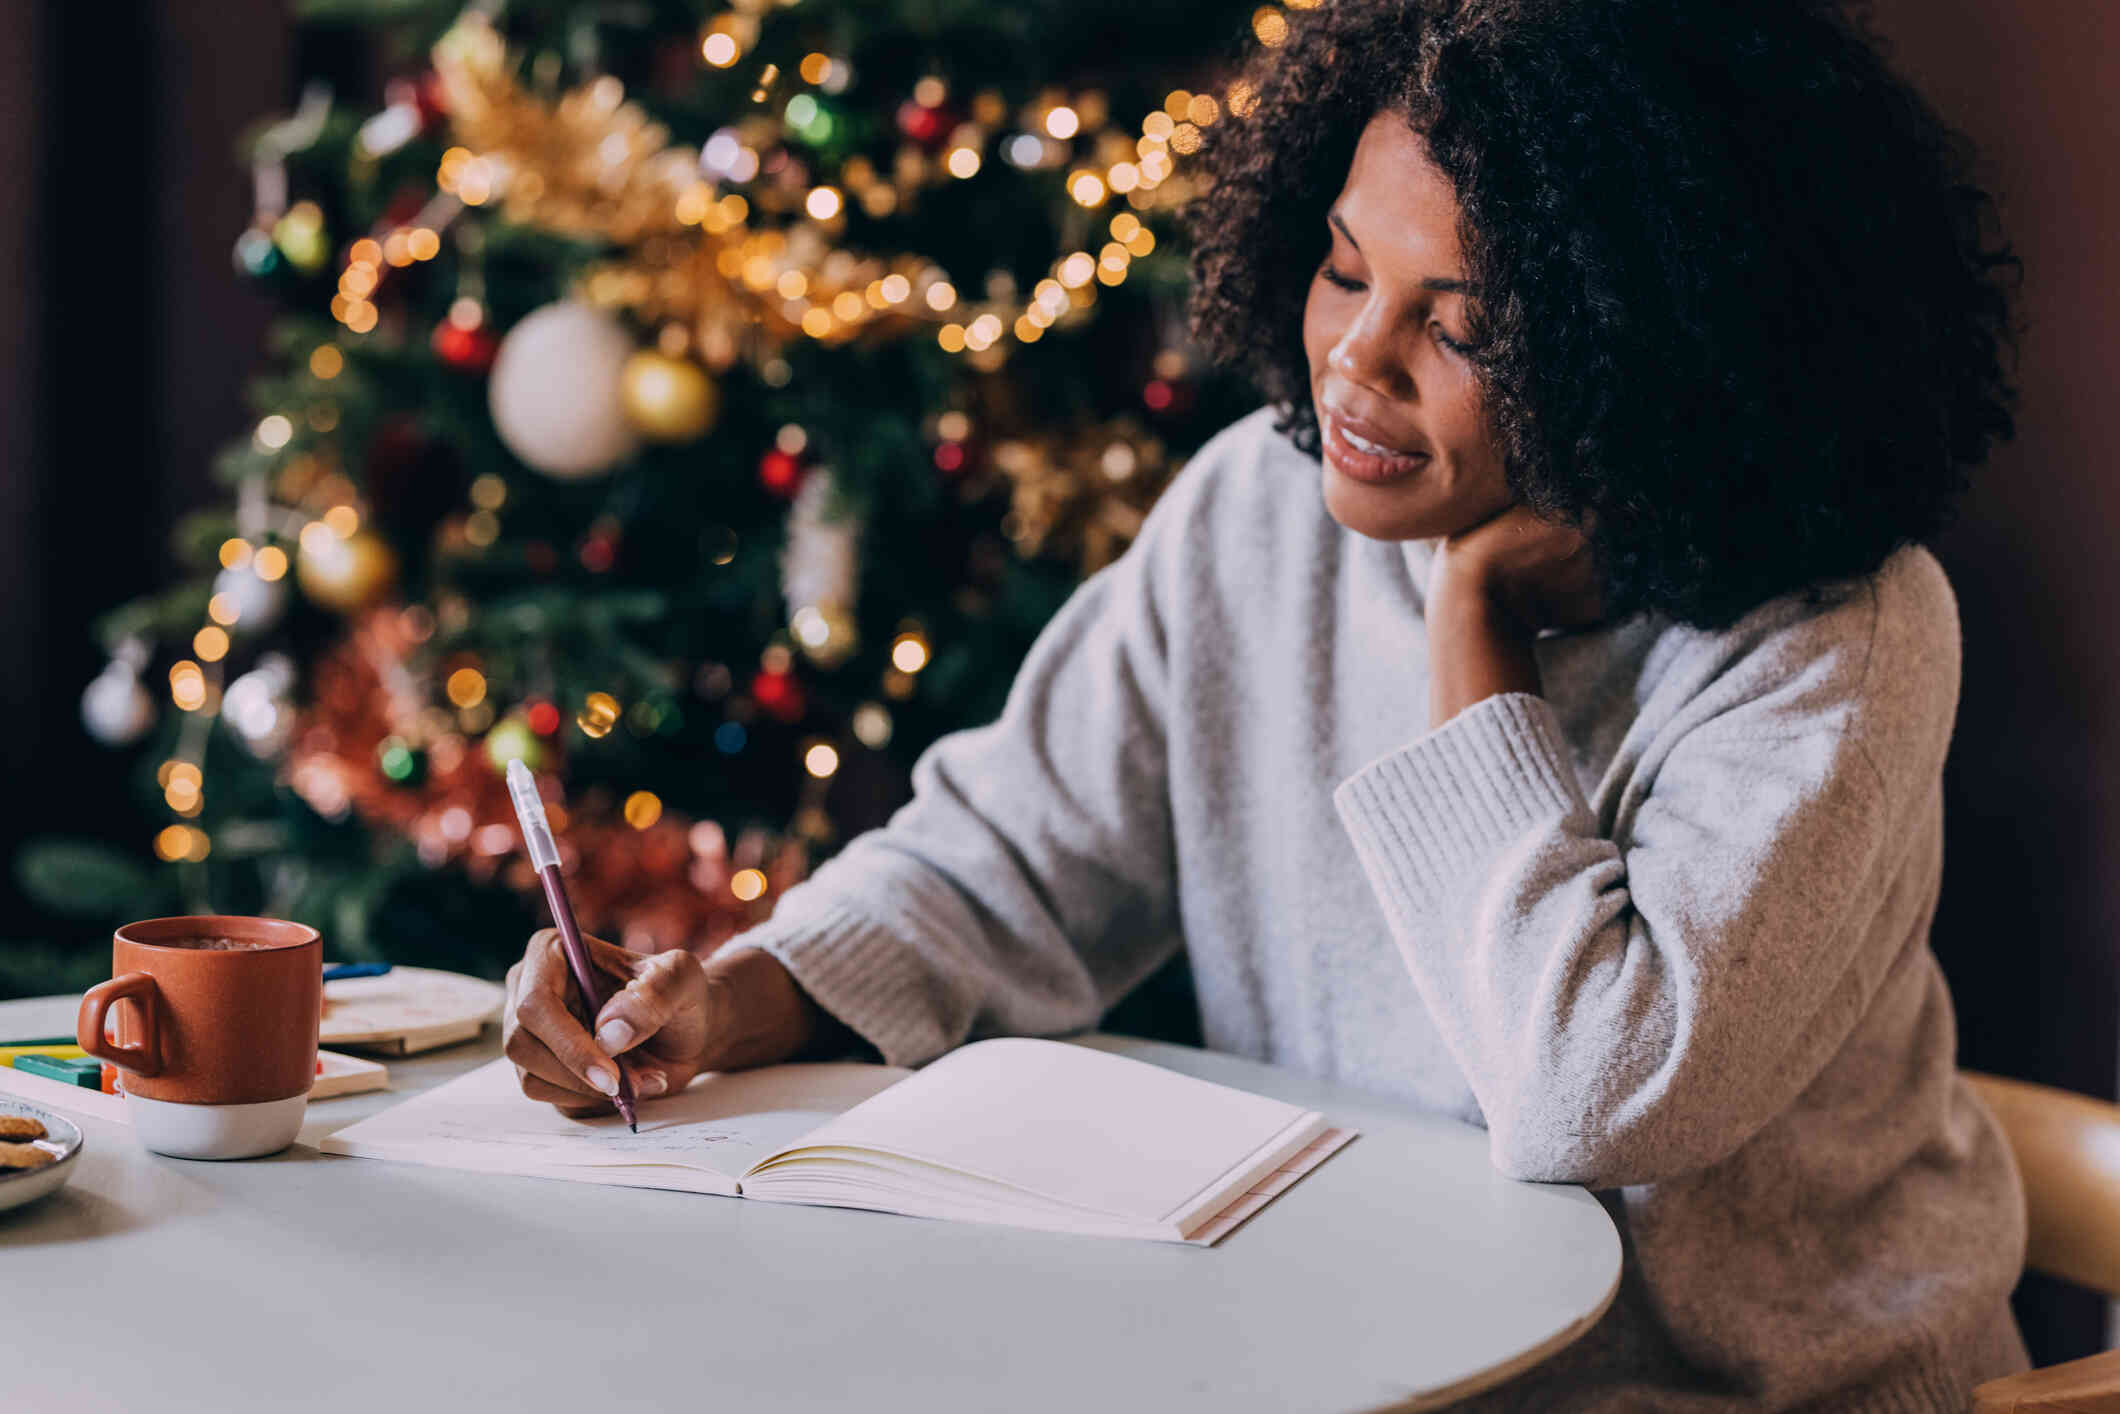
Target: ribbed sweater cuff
{"type": "Point", "coordinates": [858, 971]}
{"type": "Point", "coordinates": [1426, 815]}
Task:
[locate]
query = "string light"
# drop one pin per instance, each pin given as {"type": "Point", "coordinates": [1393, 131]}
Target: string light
{"type": "Point", "coordinates": [642, 809]}
{"type": "Point", "coordinates": [821, 760]}
{"type": "Point", "coordinates": [181, 842]}
{"type": "Point", "coordinates": [872, 725]}
{"type": "Point", "coordinates": [909, 653]}
{"type": "Point", "coordinates": [326, 362]}
{"type": "Point", "coordinates": [823, 203]}
{"type": "Point", "coordinates": [467, 687]}
{"type": "Point", "coordinates": [210, 644]}
{"type": "Point", "coordinates": [269, 565]}
{"type": "Point", "coordinates": [747, 884]}
{"type": "Point", "coordinates": [235, 553]}
{"type": "Point", "coordinates": [187, 685]}
{"type": "Point", "coordinates": [274, 432]}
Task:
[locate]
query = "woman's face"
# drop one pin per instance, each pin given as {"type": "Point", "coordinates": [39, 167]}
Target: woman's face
{"type": "Point", "coordinates": [1408, 451]}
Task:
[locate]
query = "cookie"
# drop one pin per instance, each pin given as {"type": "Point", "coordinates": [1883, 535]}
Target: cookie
{"type": "Point", "coordinates": [24, 1156]}
{"type": "Point", "coordinates": [21, 1127]}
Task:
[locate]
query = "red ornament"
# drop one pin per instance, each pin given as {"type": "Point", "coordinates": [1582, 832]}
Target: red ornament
{"type": "Point", "coordinates": [423, 94]}
{"type": "Point", "coordinates": [949, 457]}
{"type": "Point", "coordinates": [471, 350]}
{"type": "Point", "coordinates": [599, 552]}
{"type": "Point", "coordinates": [924, 125]}
{"type": "Point", "coordinates": [780, 472]}
{"type": "Point", "coordinates": [543, 718]}
{"type": "Point", "coordinates": [1173, 396]}
{"type": "Point", "coordinates": [406, 204]}
{"type": "Point", "coordinates": [779, 694]}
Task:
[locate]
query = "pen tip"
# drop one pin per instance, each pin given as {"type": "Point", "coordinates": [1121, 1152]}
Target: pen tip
{"type": "Point", "coordinates": [633, 1126]}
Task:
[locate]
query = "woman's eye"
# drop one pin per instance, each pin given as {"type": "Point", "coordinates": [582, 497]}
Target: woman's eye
{"type": "Point", "coordinates": [1337, 280]}
{"type": "Point", "coordinates": [1447, 342]}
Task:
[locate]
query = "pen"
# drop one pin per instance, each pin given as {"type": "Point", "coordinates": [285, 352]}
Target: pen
{"type": "Point", "coordinates": [544, 857]}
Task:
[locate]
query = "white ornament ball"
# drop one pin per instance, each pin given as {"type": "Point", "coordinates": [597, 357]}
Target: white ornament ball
{"type": "Point", "coordinates": [555, 392]}
{"type": "Point", "coordinates": [258, 603]}
{"type": "Point", "coordinates": [116, 709]}
{"type": "Point", "coordinates": [256, 705]}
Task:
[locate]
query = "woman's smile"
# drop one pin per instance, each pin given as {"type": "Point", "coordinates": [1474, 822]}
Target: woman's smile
{"type": "Point", "coordinates": [1364, 459]}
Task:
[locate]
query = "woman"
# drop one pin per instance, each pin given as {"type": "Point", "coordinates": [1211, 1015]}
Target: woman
{"type": "Point", "coordinates": [1538, 712]}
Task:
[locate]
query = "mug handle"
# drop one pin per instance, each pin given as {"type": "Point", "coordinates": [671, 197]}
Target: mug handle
{"type": "Point", "coordinates": [142, 1058]}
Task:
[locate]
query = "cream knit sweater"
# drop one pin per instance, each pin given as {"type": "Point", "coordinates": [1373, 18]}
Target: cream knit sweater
{"type": "Point", "coordinates": [1663, 931]}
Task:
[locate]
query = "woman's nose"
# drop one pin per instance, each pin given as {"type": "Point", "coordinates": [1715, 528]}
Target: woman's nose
{"type": "Point", "coordinates": [1364, 354]}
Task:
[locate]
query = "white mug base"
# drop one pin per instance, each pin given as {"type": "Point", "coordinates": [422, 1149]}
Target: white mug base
{"type": "Point", "coordinates": [216, 1131]}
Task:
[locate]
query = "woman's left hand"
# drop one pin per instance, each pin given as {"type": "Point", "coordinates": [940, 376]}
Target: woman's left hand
{"type": "Point", "coordinates": [1538, 573]}
{"type": "Point", "coordinates": [1490, 590]}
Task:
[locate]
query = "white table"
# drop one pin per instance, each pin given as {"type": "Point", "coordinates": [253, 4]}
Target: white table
{"type": "Point", "coordinates": [1402, 1274]}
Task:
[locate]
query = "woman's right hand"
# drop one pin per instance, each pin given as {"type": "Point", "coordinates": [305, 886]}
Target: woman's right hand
{"type": "Point", "coordinates": [671, 1018]}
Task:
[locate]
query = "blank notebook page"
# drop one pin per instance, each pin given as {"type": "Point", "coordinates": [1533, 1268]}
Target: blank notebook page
{"type": "Point", "coordinates": [1069, 1123]}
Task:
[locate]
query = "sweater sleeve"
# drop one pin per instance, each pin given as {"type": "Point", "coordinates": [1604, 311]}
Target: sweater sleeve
{"type": "Point", "coordinates": [1629, 1010]}
{"type": "Point", "coordinates": [1027, 885]}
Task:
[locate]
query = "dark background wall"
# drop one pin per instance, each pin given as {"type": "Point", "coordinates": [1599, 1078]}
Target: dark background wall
{"type": "Point", "coordinates": [125, 338]}
{"type": "Point", "coordinates": [2029, 924]}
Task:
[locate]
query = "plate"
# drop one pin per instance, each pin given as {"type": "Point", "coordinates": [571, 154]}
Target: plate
{"type": "Point", "coordinates": [407, 1010]}
{"type": "Point", "coordinates": [19, 1186]}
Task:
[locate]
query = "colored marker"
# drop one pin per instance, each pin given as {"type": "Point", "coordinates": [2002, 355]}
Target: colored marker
{"type": "Point", "coordinates": [85, 1071]}
{"type": "Point", "coordinates": [50, 1050]}
{"type": "Point", "coordinates": [343, 970]}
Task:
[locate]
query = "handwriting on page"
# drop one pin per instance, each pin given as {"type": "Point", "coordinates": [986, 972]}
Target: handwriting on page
{"type": "Point", "coordinates": [590, 1144]}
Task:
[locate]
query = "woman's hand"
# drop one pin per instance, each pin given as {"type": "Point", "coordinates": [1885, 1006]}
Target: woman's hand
{"type": "Point", "coordinates": [1490, 590]}
{"type": "Point", "coordinates": [672, 1018]}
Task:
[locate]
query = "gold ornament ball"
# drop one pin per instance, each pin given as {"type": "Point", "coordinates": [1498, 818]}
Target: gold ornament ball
{"type": "Point", "coordinates": [345, 575]}
{"type": "Point", "coordinates": [667, 399]}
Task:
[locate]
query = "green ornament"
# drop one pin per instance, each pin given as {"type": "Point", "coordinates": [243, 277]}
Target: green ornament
{"type": "Point", "coordinates": [811, 119]}
{"type": "Point", "coordinates": [400, 762]}
{"type": "Point", "coordinates": [512, 739]}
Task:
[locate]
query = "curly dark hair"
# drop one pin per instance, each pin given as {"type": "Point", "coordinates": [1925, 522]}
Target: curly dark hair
{"type": "Point", "coordinates": [1739, 318]}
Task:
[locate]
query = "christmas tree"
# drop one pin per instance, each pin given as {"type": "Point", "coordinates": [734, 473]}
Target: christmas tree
{"type": "Point", "coordinates": [705, 406]}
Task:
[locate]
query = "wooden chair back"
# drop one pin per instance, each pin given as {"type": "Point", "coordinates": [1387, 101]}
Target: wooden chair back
{"type": "Point", "coordinates": [2068, 1149]}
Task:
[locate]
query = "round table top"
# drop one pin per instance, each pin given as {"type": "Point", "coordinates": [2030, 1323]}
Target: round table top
{"type": "Point", "coordinates": [1404, 1273]}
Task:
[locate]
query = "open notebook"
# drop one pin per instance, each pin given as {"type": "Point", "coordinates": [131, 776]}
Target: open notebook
{"type": "Point", "coordinates": [1025, 1133]}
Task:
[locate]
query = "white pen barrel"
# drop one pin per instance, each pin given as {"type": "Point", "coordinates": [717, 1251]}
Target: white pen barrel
{"type": "Point", "coordinates": [530, 814]}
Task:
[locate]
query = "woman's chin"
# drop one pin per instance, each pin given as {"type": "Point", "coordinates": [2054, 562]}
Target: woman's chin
{"type": "Point", "coordinates": [1391, 512]}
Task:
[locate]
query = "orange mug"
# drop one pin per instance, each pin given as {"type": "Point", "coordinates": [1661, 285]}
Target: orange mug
{"type": "Point", "coordinates": [213, 1020]}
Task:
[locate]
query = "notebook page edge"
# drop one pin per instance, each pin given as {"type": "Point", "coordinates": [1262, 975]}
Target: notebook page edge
{"type": "Point", "coordinates": [1215, 1196]}
{"type": "Point", "coordinates": [1262, 1193]}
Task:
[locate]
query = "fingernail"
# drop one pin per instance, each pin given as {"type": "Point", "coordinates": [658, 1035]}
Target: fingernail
{"type": "Point", "coordinates": [604, 1080]}
{"type": "Point", "coordinates": [615, 1036]}
{"type": "Point", "coordinates": [651, 1082]}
